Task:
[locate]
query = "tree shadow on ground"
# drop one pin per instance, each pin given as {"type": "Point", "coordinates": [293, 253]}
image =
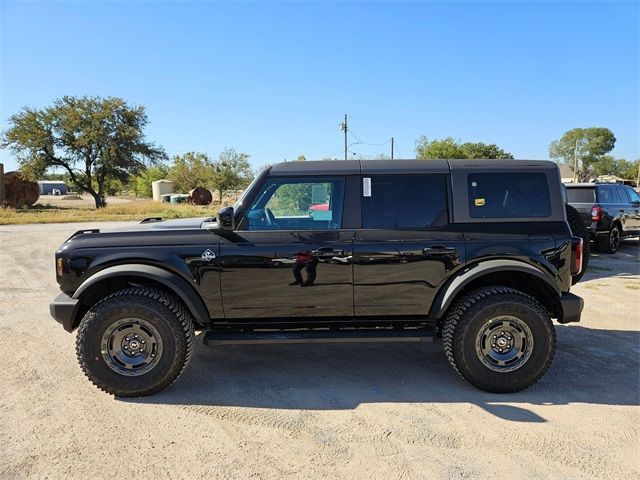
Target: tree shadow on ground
{"type": "Point", "coordinates": [591, 366]}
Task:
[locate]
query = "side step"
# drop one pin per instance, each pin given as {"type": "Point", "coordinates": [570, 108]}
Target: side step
{"type": "Point", "coordinates": [322, 336]}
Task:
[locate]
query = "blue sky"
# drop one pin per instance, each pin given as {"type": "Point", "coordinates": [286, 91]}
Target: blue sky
{"type": "Point", "coordinates": [275, 79]}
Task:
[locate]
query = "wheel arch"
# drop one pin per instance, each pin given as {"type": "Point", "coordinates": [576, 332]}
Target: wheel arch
{"type": "Point", "coordinates": [503, 272]}
{"type": "Point", "coordinates": [117, 277]}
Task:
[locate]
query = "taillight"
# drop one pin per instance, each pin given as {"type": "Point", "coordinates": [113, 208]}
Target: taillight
{"type": "Point", "coordinates": [578, 259]}
{"type": "Point", "coordinates": [596, 213]}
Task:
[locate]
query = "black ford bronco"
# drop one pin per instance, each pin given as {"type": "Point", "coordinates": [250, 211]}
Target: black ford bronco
{"type": "Point", "coordinates": [478, 254]}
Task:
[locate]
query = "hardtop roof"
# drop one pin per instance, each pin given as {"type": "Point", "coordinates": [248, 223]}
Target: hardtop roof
{"type": "Point", "coordinates": [355, 167]}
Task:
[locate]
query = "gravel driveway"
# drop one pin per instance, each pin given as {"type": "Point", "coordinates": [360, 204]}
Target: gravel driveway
{"type": "Point", "coordinates": [323, 411]}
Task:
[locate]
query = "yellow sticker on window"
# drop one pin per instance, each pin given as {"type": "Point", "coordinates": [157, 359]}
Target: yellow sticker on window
{"type": "Point", "coordinates": [479, 202]}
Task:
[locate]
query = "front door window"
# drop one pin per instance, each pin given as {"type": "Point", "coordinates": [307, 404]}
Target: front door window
{"type": "Point", "coordinates": [297, 204]}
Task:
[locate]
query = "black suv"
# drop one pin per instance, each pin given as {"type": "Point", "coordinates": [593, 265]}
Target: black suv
{"type": "Point", "coordinates": [610, 212]}
{"type": "Point", "coordinates": [476, 253]}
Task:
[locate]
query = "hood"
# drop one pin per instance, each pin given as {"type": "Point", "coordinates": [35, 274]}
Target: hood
{"type": "Point", "coordinates": [152, 232]}
{"type": "Point", "coordinates": [159, 224]}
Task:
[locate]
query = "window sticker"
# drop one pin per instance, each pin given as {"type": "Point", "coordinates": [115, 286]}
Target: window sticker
{"type": "Point", "coordinates": [366, 187]}
{"type": "Point", "coordinates": [479, 202]}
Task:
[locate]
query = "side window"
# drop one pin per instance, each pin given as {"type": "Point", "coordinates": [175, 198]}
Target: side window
{"type": "Point", "coordinates": [605, 195]}
{"type": "Point", "coordinates": [508, 195]}
{"type": "Point", "coordinates": [405, 201]}
{"type": "Point", "coordinates": [632, 195]}
{"type": "Point", "coordinates": [297, 204]}
{"type": "Point", "coordinates": [619, 196]}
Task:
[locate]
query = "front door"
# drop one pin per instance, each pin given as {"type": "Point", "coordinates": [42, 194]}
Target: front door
{"type": "Point", "coordinates": [403, 253]}
{"type": "Point", "coordinates": [289, 257]}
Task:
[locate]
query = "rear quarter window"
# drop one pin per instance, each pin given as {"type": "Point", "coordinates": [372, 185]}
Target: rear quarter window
{"type": "Point", "coordinates": [509, 195]}
{"type": "Point", "coordinates": [581, 194]}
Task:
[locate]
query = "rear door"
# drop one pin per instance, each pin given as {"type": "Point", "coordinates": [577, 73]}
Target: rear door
{"type": "Point", "coordinates": [404, 252]}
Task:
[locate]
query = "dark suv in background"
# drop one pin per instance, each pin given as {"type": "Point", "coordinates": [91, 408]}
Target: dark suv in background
{"type": "Point", "coordinates": [610, 212]}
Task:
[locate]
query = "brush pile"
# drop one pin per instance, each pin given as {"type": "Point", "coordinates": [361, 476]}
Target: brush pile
{"type": "Point", "coordinates": [19, 192]}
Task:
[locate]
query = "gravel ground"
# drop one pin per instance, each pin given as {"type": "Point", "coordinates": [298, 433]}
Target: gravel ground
{"type": "Point", "coordinates": [307, 412]}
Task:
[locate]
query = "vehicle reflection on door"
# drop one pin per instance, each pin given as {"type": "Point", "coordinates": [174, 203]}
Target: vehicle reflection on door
{"type": "Point", "coordinates": [286, 274]}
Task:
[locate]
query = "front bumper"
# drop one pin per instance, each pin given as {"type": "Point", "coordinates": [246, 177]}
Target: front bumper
{"type": "Point", "coordinates": [64, 309]}
{"type": "Point", "coordinates": [570, 308]}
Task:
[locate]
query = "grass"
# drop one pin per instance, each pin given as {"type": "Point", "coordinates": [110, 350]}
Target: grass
{"type": "Point", "coordinates": [137, 210]}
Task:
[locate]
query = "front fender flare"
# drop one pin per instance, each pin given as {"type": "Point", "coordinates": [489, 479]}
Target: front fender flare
{"type": "Point", "coordinates": [450, 290]}
{"type": "Point", "coordinates": [174, 282]}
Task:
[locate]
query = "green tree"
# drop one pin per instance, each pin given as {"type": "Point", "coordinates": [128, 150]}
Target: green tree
{"type": "Point", "coordinates": [142, 182]}
{"type": "Point", "coordinates": [434, 149]}
{"type": "Point", "coordinates": [450, 148]}
{"type": "Point", "coordinates": [191, 170]}
{"type": "Point", "coordinates": [481, 150]}
{"type": "Point", "coordinates": [95, 140]}
{"type": "Point", "coordinates": [584, 148]}
{"type": "Point", "coordinates": [232, 171]}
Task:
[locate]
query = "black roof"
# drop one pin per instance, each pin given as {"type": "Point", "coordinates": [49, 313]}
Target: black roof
{"type": "Point", "coordinates": [354, 167]}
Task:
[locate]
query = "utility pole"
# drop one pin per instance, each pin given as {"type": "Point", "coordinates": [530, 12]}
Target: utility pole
{"type": "Point", "coordinates": [575, 163]}
{"type": "Point", "coordinates": [391, 148]}
{"type": "Point", "coordinates": [344, 128]}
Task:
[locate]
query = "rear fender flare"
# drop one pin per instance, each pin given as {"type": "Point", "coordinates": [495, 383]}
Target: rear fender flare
{"type": "Point", "coordinates": [453, 287]}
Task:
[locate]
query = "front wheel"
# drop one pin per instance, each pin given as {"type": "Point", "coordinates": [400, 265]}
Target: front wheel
{"type": "Point", "coordinates": [135, 342]}
{"type": "Point", "coordinates": [499, 339]}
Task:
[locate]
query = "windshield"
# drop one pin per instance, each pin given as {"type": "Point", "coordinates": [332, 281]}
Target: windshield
{"type": "Point", "coordinates": [242, 198]}
{"type": "Point", "coordinates": [581, 195]}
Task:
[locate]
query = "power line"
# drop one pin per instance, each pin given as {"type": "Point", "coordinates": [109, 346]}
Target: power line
{"type": "Point", "coordinates": [367, 143]}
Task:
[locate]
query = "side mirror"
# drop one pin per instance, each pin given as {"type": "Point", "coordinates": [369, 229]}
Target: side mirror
{"type": "Point", "coordinates": [226, 219]}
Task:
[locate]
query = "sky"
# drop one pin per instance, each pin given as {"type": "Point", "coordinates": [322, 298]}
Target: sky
{"type": "Point", "coordinates": [275, 80]}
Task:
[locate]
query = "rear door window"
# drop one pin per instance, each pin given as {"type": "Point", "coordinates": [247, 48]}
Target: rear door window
{"type": "Point", "coordinates": [509, 195]}
{"type": "Point", "coordinates": [581, 194]}
{"type": "Point", "coordinates": [404, 202]}
{"type": "Point", "coordinates": [607, 194]}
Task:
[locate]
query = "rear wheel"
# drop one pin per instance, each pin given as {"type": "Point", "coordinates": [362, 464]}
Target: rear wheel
{"type": "Point", "coordinates": [499, 339]}
{"type": "Point", "coordinates": [579, 229]}
{"type": "Point", "coordinates": [135, 342]}
{"type": "Point", "coordinates": [611, 242]}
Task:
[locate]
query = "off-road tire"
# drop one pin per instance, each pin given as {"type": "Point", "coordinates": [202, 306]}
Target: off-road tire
{"type": "Point", "coordinates": [468, 316]}
{"type": "Point", "coordinates": [608, 243]}
{"type": "Point", "coordinates": [165, 313]}
{"type": "Point", "coordinates": [579, 229]}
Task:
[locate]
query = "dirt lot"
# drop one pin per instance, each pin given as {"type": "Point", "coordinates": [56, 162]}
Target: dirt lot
{"type": "Point", "coordinates": [356, 411]}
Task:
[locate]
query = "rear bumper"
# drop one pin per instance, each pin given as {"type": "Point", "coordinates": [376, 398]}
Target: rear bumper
{"type": "Point", "coordinates": [570, 308]}
{"type": "Point", "coordinates": [63, 310]}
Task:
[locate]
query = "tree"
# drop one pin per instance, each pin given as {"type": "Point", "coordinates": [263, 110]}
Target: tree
{"type": "Point", "coordinates": [142, 182]}
{"type": "Point", "coordinates": [481, 150]}
{"type": "Point", "coordinates": [449, 148]}
{"type": "Point", "coordinates": [584, 148]}
{"type": "Point", "coordinates": [191, 170]}
{"type": "Point", "coordinates": [95, 140]}
{"type": "Point", "coordinates": [433, 149]}
{"type": "Point", "coordinates": [232, 171]}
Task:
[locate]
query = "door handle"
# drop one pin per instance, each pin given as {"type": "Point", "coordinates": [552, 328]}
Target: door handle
{"type": "Point", "coordinates": [438, 250]}
{"type": "Point", "coordinates": [328, 252]}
